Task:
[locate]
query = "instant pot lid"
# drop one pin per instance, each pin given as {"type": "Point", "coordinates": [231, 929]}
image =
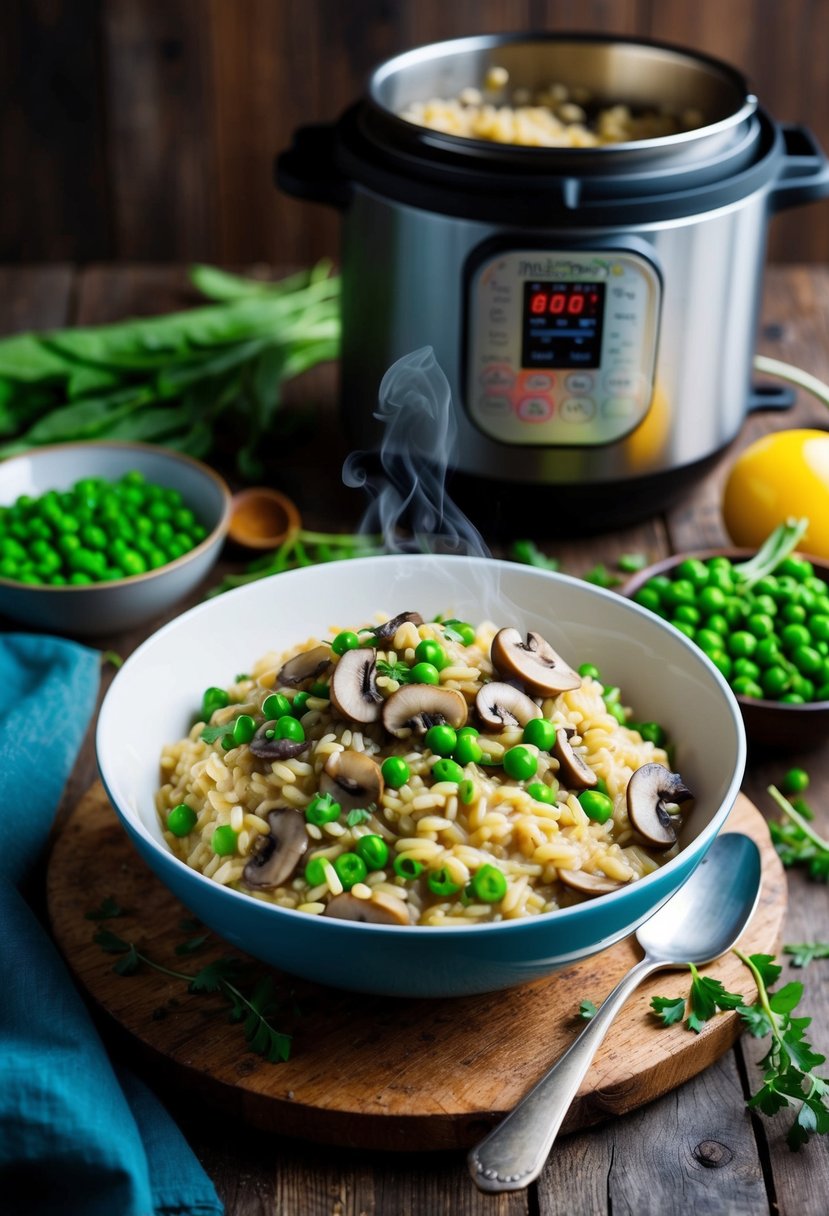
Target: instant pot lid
{"type": "Point", "coordinates": [640, 73]}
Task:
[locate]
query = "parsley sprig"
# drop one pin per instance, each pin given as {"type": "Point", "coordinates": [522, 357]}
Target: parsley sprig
{"type": "Point", "coordinates": [226, 976]}
{"type": "Point", "coordinates": [789, 1077]}
{"type": "Point", "coordinates": [401, 672]}
{"type": "Point", "coordinates": [804, 953]}
{"type": "Point", "coordinates": [796, 841]}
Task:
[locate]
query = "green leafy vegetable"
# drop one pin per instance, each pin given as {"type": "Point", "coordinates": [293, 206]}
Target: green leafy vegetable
{"type": "Point", "coordinates": [173, 379]}
{"type": "Point", "coordinates": [587, 1010]}
{"type": "Point", "coordinates": [797, 842]}
{"type": "Point", "coordinates": [400, 672]}
{"type": "Point", "coordinates": [224, 976]}
{"type": "Point", "coordinates": [358, 815]}
{"type": "Point", "coordinates": [527, 551]}
{"type": "Point", "coordinates": [777, 546]}
{"type": "Point", "coordinates": [805, 952]}
{"type": "Point", "coordinates": [211, 733]}
{"type": "Point", "coordinates": [303, 548]}
{"type": "Point", "coordinates": [788, 1066]}
{"type": "Point", "coordinates": [108, 909]}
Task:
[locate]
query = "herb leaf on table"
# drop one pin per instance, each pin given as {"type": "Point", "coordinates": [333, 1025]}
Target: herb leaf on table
{"type": "Point", "coordinates": [796, 841]}
{"type": "Point", "coordinates": [789, 1077]}
{"type": "Point", "coordinates": [804, 952]}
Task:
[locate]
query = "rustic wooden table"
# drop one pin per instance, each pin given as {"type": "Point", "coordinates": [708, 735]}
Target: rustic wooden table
{"type": "Point", "coordinates": [696, 1149]}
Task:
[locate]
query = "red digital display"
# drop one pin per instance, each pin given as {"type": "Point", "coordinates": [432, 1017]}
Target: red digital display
{"type": "Point", "coordinates": [562, 324]}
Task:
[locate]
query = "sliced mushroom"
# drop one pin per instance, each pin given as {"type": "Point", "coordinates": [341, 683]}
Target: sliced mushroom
{"type": "Point", "coordinates": [381, 909]}
{"type": "Point", "coordinates": [649, 791]}
{"type": "Point", "coordinates": [540, 668]}
{"type": "Point", "coordinates": [500, 705]}
{"type": "Point", "coordinates": [279, 853]}
{"type": "Point", "coordinates": [416, 707]}
{"type": "Point", "coordinates": [354, 693]}
{"type": "Point", "coordinates": [386, 631]}
{"type": "Point", "coordinates": [353, 779]}
{"type": "Point", "coordinates": [275, 749]}
{"type": "Point", "coordinates": [306, 668]}
{"type": "Point", "coordinates": [589, 884]}
{"type": "Point", "coordinates": [576, 773]}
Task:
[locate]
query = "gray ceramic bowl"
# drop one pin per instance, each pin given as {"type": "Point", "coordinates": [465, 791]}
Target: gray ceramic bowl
{"type": "Point", "coordinates": [104, 608]}
{"type": "Point", "coordinates": [155, 694]}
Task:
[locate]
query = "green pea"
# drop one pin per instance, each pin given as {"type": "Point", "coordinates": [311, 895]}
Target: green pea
{"type": "Point", "coordinates": [793, 613]}
{"type": "Point", "coordinates": [760, 624]}
{"type": "Point", "coordinates": [288, 727]}
{"type": "Point", "coordinates": [430, 651]}
{"type": "Point", "coordinates": [275, 706]}
{"type": "Point", "coordinates": [596, 805]}
{"type": "Point", "coordinates": [520, 763]}
{"type": "Point", "coordinates": [807, 660]}
{"type": "Point", "coordinates": [441, 739]}
{"type": "Point", "coordinates": [467, 791]}
{"type": "Point", "coordinates": [653, 733]}
{"type": "Point", "coordinates": [213, 699]}
{"type": "Point", "coordinates": [708, 640]}
{"type": "Point", "coordinates": [244, 728]}
{"type": "Point", "coordinates": [722, 662]}
{"type": "Point", "coordinates": [316, 871]}
{"type": "Point", "coordinates": [803, 686]}
{"type": "Point", "coordinates": [424, 673]}
{"type": "Point", "coordinates": [466, 631]}
{"type": "Point", "coordinates": [347, 640]}
{"type": "Point", "coordinates": [618, 712]}
{"type": "Point", "coordinates": [589, 670]}
{"type": "Point", "coordinates": [791, 698]}
{"type": "Point", "coordinates": [373, 850]}
{"type": "Point", "coordinates": [350, 869]}
{"type": "Point", "coordinates": [795, 781]}
{"type": "Point", "coordinates": [694, 571]}
{"type": "Point", "coordinates": [321, 690]}
{"type": "Point", "coordinates": [688, 614]}
{"type": "Point", "coordinates": [489, 884]}
{"type": "Point", "coordinates": [742, 644]}
{"type": "Point", "coordinates": [542, 793]}
{"type": "Point", "coordinates": [299, 704]}
{"type": "Point", "coordinates": [648, 598]}
{"type": "Point", "coordinates": [133, 563]}
{"type": "Point", "coordinates": [793, 636]}
{"type": "Point", "coordinates": [774, 681]}
{"type": "Point", "coordinates": [766, 586]}
{"type": "Point", "coordinates": [223, 841]}
{"type": "Point", "coordinates": [447, 770]}
{"type": "Point", "coordinates": [767, 652]}
{"type": "Point", "coordinates": [722, 580]}
{"type": "Point", "coordinates": [322, 809]}
{"type": "Point", "coordinates": [407, 867]}
{"type": "Point", "coordinates": [441, 882]}
{"type": "Point", "coordinates": [94, 537]}
{"type": "Point", "coordinates": [797, 567]}
{"type": "Point", "coordinates": [78, 579]}
{"type": "Point", "coordinates": [819, 627]}
{"type": "Point", "coordinates": [711, 599]}
{"type": "Point", "coordinates": [682, 591]}
{"type": "Point", "coordinates": [688, 630]}
{"type": "Point", "coordinates": [745, 667]}
{"type": "Point", "coordinates": [183, 519]}
{"type": "Point", "coordinates": [746, 687]}
{"type": "Point", "coordinates": [181, 820]}
{"type": "Point", "coordinates": [467, 750]}
{"type": "Point", "coordinates": [540, 733]}
{"type": "Point", "coordinates": [396, 771]}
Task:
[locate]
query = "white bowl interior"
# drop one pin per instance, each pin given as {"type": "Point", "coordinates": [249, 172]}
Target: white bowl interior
{"type": "Point", "coordinates": [664, 677]}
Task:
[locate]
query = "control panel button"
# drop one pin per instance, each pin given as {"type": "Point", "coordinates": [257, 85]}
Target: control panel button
{"type": "Point", "coordinates": [579, 382]}
{"type": "Point", "coordinates": [497, 377]}
{"type": "Point", "coordinates": [537, 382]}
{"type": "Point", "coordinates": [620, 407]}
{"type": "Point", "coordinates": [535, 409]}
{"type": "Point", "coordinates": [577, 409]}
{"type": "Point", "coordinates": [620, 383]}
{"type": "Point", "coordinates": [495, 406]}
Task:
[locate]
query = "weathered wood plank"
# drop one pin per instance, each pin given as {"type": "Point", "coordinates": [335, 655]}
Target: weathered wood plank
{"type": "Point", "coordinates": [693, 1150]}
{"type": "Point", "coordinates": [35, 297]}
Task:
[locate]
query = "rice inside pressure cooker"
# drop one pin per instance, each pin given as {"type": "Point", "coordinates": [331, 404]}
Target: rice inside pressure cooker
{"type": "Point", "coordinates": [457, 845]}
{"type": "Point", "coordinates": [552, 117]}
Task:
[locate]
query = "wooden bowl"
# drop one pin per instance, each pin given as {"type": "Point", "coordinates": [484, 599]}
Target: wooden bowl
{"type": "Point", "coordinates": [770, 723]}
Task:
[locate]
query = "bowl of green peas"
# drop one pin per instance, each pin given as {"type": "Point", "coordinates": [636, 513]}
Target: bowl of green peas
{"type": "Point", "coordinates": [96, 538]}
{"type": "Point", "coordinates": [763, 620]}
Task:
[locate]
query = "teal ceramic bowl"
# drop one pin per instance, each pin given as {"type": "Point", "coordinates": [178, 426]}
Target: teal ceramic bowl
{"type": "Point", "coordinates": [664, 676]}
{"type": "Point", "coordinates": [111, 607]}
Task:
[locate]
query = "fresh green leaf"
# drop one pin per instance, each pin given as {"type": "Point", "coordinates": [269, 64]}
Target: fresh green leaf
{"type": "Point", "coordinates": [401, 672]}
{"type": "Point", "coordinates": [113, 658]}
{"type": "Point", "coordinates": [128, 963]}
{"type": "Point", "coordinates": [211, 733]}
{"type": "Point", "coordinates": [768, 970]}
{"type": "Point", "coordinates": [796, 841]}
{"type": "Point", "coordinates": [108, 909]}
{"type": "Point", "coordinates": [786, 998]}
{"type": "Point", "coordinates": [211, 977]}
{"type": "Point", "coordinates": [587, 1010]}
{"type": "Point", "coordinates": [110, 942]}
{"type": "Point", "coordinates": [358, 815]}
{"type": "Point", "coordinates": [193, 944]}
{"type": "Point", "coordinates": [804, 952]}
{"type": "Point", "coordinates": [669, 1009]}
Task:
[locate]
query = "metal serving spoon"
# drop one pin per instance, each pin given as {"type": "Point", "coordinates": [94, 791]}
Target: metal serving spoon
{"type": "Point", "coordinates": [700, 922]}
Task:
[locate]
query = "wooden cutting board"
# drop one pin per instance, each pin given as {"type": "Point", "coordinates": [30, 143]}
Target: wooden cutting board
{"type": "Point", "coordinates": [376, 1072]}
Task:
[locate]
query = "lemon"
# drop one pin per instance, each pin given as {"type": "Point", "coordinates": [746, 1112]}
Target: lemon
{"type": "Point", "coordinates": [783, 474]}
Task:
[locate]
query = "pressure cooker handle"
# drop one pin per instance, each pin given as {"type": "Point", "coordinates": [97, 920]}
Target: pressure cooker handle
{"type": "Point", "coordinates": [804, 175]}
{"type": "Point", "coordinates": [308, 170]}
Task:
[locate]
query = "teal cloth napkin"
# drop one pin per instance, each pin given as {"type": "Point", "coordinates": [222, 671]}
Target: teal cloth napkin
{"type": "Point", "coordinates": [75, 1138]}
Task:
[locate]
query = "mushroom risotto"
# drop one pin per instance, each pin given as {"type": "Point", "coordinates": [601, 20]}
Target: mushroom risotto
{"type": "Point", "coordinates": [417, 772]}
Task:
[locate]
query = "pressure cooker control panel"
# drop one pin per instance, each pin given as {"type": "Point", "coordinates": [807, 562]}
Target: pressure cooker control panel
{"type": "Point", "coordinates": [561, 345]}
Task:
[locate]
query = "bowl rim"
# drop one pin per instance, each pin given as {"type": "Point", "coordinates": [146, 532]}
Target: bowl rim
{"type": "Point", "coordinates": [640, 577]}
{"type": "Point", "coordinates": [697, 847]}
{"type": "Point", "coordinates": [216, 533]}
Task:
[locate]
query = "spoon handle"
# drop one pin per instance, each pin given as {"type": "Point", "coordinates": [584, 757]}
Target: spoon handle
{"type": "Point", "coordinates": [514, 1152]}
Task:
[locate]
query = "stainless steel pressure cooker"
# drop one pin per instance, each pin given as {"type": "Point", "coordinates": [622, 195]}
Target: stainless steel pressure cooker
{"type": "Point", "coordinates": [594, 308]}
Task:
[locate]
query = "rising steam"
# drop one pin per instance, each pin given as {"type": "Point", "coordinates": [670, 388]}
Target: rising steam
{"type": "Point", "coordinates": [409, 503]}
